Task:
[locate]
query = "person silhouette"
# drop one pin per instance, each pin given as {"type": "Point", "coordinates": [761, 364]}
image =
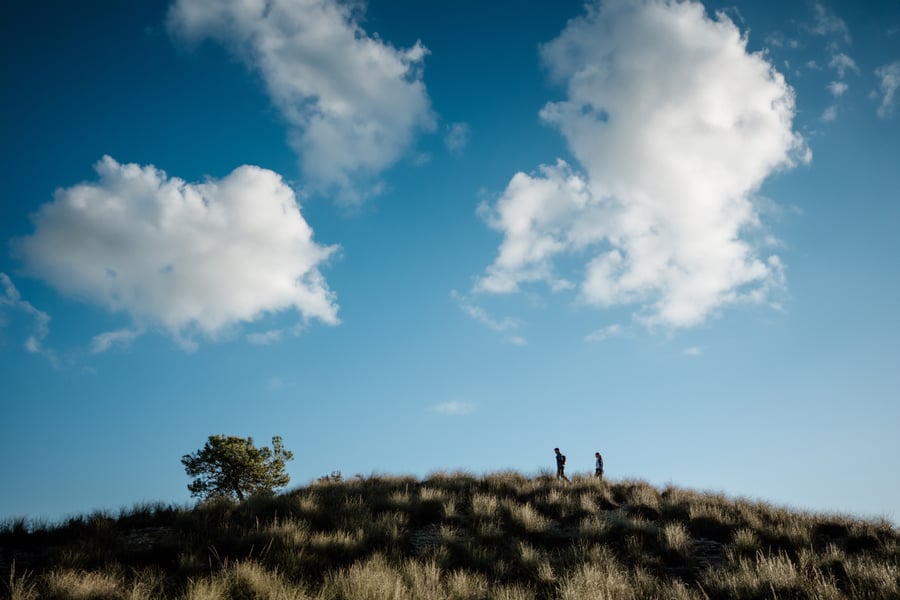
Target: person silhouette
{"type": "Point", "coordinates": [560, 465]}
{"type": "Point", "coordinates": [598, 466]}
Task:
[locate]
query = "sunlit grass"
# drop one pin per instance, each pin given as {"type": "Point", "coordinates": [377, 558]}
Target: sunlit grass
{"type": "Point", "coordinates": [21, 586]}
{"type": "Point", "coordinates": [82, 585]}
{"type": "Point", "coordinates": [456, 536]}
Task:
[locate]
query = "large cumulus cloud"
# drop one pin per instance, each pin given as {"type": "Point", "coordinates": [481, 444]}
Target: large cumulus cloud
{"type": "Point", "coordinates": [190, 258]}
{"type": "Point", "coordinates": [354, 102]}
{"type": "Point", "coordinates": [675, 126]}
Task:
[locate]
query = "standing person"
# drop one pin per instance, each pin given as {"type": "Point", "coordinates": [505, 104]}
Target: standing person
{"type": "Point", "coordinates": [560, 465]}
{"type": "Point", "coordinates": [598, 466]}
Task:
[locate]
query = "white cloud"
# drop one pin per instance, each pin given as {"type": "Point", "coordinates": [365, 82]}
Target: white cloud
{"type": "Point", "coordinates": [454, 408]}
{"type": "Point", "coordinates": [457, 137]}
{"type": "Point", "coordinates": [890, 82]}
{"type": "Point", "coordinates": [535, 214]}
{"type": "Point", "coordinates": [676, 125]}
{"type": "Point", "coordinates": [827, 23]}
{"type": "Point", "coordinates": [505, 326]}
{"type": "Point", "coordinates": [187, 257]}
{"type": "Point", "coordinates": [272, 336]}
{"type": "Point", "coordinates": [604, 333]}
{"type": "Point", "coordinates": [837, 88]}
{"type": "Point", "coordinates": [11, 300]}
{"type": "Point", "coordinates": [842, 63]}
{"type": "Point", "coordinates": [777, 39]}
{"type": "Point", "coordinates": [693, 351]}
{"type": "Point", "coordinates": [354, 102]}
{"type": "Point", "coordinates": [120, 337]}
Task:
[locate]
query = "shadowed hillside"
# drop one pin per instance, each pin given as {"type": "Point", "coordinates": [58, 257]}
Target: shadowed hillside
{"type": "Point", "coordinates": [456, 536]}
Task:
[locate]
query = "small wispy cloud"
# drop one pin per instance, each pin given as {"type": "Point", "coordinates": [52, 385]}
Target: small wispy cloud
{"type": "Point", "coordinates": [837, 88]}
{"type": "Point", "coordinates": [121, 337]}
{"type": "Point", "coordinates": [481, 315]}
{"type": "Point", "coordinates": [454, 408]}
{"type": "Point", "coordinates": [777, 39]}
{"type": "Point", "coordinates": [604, 333]}
{"type": "Point", "coordinates": [506, 325]}
{"type": "Point", "coordinates": [834, 30]}
{"type": "Point", "coordinates": [421, 158]}
{"type": "Point", "coordinates": [829, 114]}
{"type": "Point", "coordinates": [272, 336]}
{"type": "Point", "coordinates": [264, 338]}
{"type": "Point", "coordinates": [12, 300]}
{"type": "Point", "coordinates": [842, 63]}
{"type": "Point", "coordinates": [826, 23]}
{"type": "Point", "coordinates": [457, 138]}
{"type": "Point", "coordinates": [889, 75]}
{"type": "Point", "coordinates": [693, 351]}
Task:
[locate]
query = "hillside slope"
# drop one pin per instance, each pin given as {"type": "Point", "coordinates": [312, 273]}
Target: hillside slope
{"type": "Point", "coordinates": [457, 536]}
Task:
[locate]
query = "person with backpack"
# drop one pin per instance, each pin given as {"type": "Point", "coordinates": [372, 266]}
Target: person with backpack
{"type": "Point", "coordinates": [560, 465]}
{"type": "Point", "coordinates": [598, 466]}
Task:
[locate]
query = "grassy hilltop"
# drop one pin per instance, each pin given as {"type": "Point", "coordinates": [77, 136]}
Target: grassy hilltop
{"type": "Point", "coordinates": [456, 536]}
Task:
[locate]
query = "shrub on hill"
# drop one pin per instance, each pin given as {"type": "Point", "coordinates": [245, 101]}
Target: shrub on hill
{"type": "Point", "coordinates": [233, 467]}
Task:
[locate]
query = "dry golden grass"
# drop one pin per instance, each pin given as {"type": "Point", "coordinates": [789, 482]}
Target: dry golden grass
{"type": "Point", "coordinates": [457, 536]}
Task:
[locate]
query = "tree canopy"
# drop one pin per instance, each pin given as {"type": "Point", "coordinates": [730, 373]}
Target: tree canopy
{"type": "Point", "coordinates": [232, 467]}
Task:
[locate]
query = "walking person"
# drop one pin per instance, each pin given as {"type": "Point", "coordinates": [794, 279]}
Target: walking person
{"type": "Point", "coordinates": [598, 466]}
{"type": "Point", "coordinates": [560, 465]}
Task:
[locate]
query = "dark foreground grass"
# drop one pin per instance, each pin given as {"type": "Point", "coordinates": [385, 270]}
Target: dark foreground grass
{"type": "Point", "coordinates": [456, 536]}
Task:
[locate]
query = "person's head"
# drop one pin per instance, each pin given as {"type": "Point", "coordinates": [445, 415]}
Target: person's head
{"type": "Point", "coordinates": [597, 454]}
{"type": "Point", "coordinates": [556, 450]}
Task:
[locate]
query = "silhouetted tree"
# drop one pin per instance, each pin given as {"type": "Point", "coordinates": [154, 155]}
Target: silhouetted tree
{"type": "Point", "coordinates": [233, 467]}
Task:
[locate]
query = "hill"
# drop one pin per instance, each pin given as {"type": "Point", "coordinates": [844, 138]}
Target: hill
{"type": "Point", "coordinates": [456, 536]}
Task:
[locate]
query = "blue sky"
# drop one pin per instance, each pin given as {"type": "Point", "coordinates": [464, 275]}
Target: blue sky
{"type": "Point", "coordinates": [409, 237]}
